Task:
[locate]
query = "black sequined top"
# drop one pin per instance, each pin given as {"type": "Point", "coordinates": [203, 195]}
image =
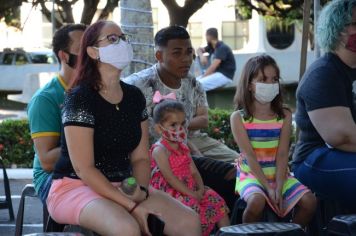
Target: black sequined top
{"type": "Point", "coordinates": [117, 132]}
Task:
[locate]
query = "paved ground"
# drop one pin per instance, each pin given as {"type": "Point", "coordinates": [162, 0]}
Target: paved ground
{"type": "Point", "coordinates": [32, 213]}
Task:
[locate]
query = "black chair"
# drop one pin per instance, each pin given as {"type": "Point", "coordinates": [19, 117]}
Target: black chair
{"type": "Point", "coordinates": [49, 225]}
{"type": "Point", "coordinates": [7, 203]}
{"type": "Point", "coordinates": [325, 211]}
{"type": "Point", "coordinates": [262, 228]}
{"type": "Point", "coordinates": [342, 225]}
{"type": "Point", "coordinates": [55, 234]}
{"type": "Point", "coordinates": [27, 191]}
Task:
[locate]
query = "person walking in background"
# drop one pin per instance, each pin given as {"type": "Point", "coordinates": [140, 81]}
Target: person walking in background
{"type": "Point", "coordinates": [219, 60]}
{"type": "Point", "coordinates": [44, 109]}
{"type": "Point", "coordinates": [325, 155]}
{"type": "Point", "coordinates": [106, 141]}
{"type": "Point", "coordinates": [174, 171]}
{"type": "Point", "coordinates": [261, 126]}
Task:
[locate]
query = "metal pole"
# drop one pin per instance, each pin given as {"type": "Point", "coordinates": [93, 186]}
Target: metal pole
{"type": "Point", "coordinates": [53, 19]}
{"type": "Point", "coordinates": [305, 34]}
{"type": "Point", "coordinates": [316, 16]}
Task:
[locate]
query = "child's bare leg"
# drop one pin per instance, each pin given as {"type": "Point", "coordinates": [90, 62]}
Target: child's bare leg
{"type": "Point", "coordinates": [305, 209]}
{"type": "Point", "coordinates": [254, 209]}
{"type": "Point", "coordinates": [225, 221]}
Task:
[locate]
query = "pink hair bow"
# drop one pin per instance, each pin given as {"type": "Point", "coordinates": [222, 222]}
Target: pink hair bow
{"type": "Point", "coordinates": [157, 97]}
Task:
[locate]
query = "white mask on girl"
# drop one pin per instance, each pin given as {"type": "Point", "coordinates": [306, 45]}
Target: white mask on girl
{"type": "Point", "coordinates": [265, 93]}
{"type": "Point", "coordinates": [118, 55]}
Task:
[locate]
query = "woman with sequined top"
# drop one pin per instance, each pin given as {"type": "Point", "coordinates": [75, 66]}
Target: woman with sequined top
{"type": "Point", "coordinates": [105, 141]}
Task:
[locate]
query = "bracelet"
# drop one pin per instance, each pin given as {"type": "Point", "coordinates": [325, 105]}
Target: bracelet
{"type": "Point", "coordinates": [145, 190]}
{"type": "Point", "coordinates": [134, 207]}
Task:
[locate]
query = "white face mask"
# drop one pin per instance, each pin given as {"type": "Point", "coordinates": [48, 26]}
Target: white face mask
{"type": "Point", "coordinates": [265, 93]}
{"type": "Point", "coordinates": [118, 55]}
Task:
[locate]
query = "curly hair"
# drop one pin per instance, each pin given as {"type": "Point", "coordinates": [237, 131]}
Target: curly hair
{"type": "Point", "coordinates": [164, 107]}
{"type": "Point", "coordinates": [332, 21]}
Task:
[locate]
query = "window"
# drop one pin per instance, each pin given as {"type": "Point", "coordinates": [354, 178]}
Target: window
{"type": "Point", "coordinates": [44, 58]}
{"type": "Point", "coordinates": [155, 20]}
{"type": "Point", "coordinates": [280, 36]}
{"type": "Point", "coordinates": [21, 59]}
{"type": "Point", "coordinates": [235, 33]}
{"type": "Point", "coordinates": [196, 33]}
{"type": "Point", "coordinates": [8, 57]}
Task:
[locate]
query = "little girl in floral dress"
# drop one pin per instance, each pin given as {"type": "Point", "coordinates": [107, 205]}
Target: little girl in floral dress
{"type": "Point", "coordinates": [174, 171]}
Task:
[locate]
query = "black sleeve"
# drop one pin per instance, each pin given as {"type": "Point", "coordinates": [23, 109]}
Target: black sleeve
{"type": "Point", "coordinates": [323, 88]}
{"type": "Point", "coordinates": [77, 110]}
{"type": "Point", "coordinates": [143, 109]}
{"type": "Point", "coordinates": [221, 53]}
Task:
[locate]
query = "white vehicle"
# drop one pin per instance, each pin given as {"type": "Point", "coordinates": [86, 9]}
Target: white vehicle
{"type": "Point", "coordinates": [18, 67]}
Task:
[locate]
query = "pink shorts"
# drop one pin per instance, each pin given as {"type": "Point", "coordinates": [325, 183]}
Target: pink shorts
{"type": "Point", "coordinates": [67, 198]}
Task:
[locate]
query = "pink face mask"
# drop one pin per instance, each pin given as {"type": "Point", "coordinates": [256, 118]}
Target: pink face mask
{"type": "Point", "coordinates": [178, 135]}
{"type": "Point", "coordinates": [351, 43]}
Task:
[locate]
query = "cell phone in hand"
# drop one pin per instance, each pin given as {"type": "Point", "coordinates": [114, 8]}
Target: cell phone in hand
{"type": "Point", "coordinates": [155, 225]}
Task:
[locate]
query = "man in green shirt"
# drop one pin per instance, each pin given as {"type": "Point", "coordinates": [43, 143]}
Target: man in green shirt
{"type": "Point", "coordinates": [44, 109]}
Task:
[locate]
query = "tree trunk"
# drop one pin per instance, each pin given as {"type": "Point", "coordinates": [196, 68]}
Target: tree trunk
{"type": "Point", "coordinates": [136, 20]}
{"type": "Point", "coordinates": [90, 7]}
{"type": "Point", "coordinates": [109, 8]}
{"type": "Point", "coordinates": [180, 15]}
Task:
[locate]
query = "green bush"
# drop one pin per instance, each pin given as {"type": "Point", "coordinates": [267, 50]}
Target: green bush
{"type": "Point", "coordinates": [16, 146]}
{"type": "Point", "coordinates": [16, 143]}
{"type": "Point", "coordinates": [220, 128]}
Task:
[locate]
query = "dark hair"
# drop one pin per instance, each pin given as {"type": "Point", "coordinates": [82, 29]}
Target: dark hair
{"type": "Point", "coordinates": [171, 32]}
{"type": "Point", "coordinates": [87, 69]}
{"type": "Point", "coordinates": [61, 39]}
{"type": "Point", "coordinates": [164, 107]}
{"type": "Point", "coordinates": [213, 32]}
{"type": "Point", "coordinates": [244, 98]}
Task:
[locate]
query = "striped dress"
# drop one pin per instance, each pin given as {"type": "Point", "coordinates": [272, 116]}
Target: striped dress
{"type": "Point", "coordinates": [264, 136]}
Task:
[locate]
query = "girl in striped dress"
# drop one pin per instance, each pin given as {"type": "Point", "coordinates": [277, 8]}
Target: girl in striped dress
{"type": "Point", "coordinates": [262, 128]}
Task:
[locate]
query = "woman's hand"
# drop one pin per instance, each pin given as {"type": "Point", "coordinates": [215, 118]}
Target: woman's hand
{"type": "Point", "coordinates": [140, 213]}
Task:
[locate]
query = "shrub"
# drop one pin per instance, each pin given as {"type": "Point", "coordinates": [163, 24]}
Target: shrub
{"type": "Point", "coordinates": [16, 146]}
{"type": "Point", "coordinates": [220, 128]}
{"type": "Point", "coordinates": [16, 143]}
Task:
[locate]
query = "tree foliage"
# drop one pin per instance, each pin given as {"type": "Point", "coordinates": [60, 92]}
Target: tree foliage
{"type": "Point", "coordinates": [288, 11]}
{"type": "Point", "coordinates": [9, 10]}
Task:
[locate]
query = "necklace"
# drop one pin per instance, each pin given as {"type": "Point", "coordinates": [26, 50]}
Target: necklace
{"type": "Point", "coordinates": [107, 96]}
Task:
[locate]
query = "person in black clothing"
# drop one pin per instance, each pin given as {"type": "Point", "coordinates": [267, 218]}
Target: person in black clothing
{"type": "Point", "coordinates": [222, 68]}
{"type": "Point", "coordinates": [325, 155]}
{"type": "Point", "coordinates": [105, 141]}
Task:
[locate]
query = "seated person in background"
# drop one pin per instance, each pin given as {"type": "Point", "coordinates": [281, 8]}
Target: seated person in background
{"type": "Point", "coordinates": [261, 126]}
{"type": "Point", "coordinates": [105, 141]}
{"type": "Point", "coordinates": [44, 109]}
{"type": "Point", "coordinates": [174, 54]}
{"type": "Point", "coordinates": [173, 170]}
{"type": "Point", "coordinates": [220, 61]}
{"type": "Point", "coordinates": [325, 156]}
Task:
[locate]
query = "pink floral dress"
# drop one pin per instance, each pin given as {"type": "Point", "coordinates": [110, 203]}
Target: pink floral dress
{"type": "Point", "coordinates": [211, 207]}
